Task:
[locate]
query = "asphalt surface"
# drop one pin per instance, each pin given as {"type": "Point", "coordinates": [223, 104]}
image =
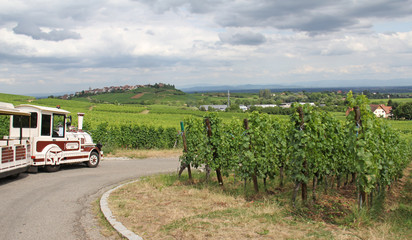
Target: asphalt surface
{"type": "Point", "coordinates": [59, 205]}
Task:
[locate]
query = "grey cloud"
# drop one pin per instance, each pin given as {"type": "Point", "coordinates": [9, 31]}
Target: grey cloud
{"type": "Point", "coordinates": [383, 9]}
{"type": "Point", "coordinates": [126, 61]}
{"type": "Point", "coordinates": [194, 6]}
{"type": "Point", "coordinates": [205, 6]}
{"type": "Point", "coordinates": [324, 23]}
{"type": "Point", "coordinates": [120, 61]}
{"type": "Point", "coordinates": [163, 6]}
{"type": "Point", "coordinates": [242, 38]}
{"type": "Point", "coordinates": [151, 61]}
{"type": "Point", "coordinates": [315, 16]}
{"type": "Point", "coordinates": [308, 16]}
{"type": "Point", "coordinates": [56, 63]}
{"type": "Point", "coordinates": [30, 29]}
{"type": "Point", "coordinates": [150, 32]}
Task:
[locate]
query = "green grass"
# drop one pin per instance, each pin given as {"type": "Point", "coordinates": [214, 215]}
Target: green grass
{"type": "Point", "coordinates": [385, 101]}
{"type": "Point", "coordinates": [404, 127]}
{"type": "Point", "coordinates": [339, 115]}
{"type": "Point", "coordinates": [14, 99]}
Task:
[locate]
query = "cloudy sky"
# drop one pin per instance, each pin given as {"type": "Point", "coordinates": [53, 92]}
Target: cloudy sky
{"type": "Point", "coordinates": [49, 46]}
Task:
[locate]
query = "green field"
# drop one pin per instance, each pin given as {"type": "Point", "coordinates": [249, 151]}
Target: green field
{"type": "Point", "coordinates": [15, 99]}
{"type": "Point", "coordinates": [154, 115]}
{"type": "Point", "coordinates": [385, 101]}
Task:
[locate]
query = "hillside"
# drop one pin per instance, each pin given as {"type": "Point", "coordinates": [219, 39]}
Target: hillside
{"type": "Point", "coordinates": [145, 95]}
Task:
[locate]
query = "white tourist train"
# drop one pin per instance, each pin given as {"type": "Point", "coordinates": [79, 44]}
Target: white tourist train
{"type": "Point", "coordinates": [42, 137]}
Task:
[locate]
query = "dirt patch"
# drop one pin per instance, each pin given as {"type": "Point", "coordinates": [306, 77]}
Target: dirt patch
{"type": "Point", "coordinates": [136, 153]}
{"type": "Point", "coordinates": [158, 212]}
{"type": "Point", "coordinates": [138, 96]}
{"type": "Point", "coordinates": [145, 112]}
{"type": "Point", "coordinates": [401, 189]}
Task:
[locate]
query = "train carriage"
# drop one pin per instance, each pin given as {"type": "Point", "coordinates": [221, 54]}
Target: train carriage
{"type": "Point", "coordinates": [52, 141]}
{"type": "Point", "coordinates": [14, 151]}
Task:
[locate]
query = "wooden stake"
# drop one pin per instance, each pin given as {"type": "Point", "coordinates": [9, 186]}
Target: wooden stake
{"type": "Point", "coordinates": [184, 165]}
{"type": "Point", "coordinates": [209, 134]}
{"type": "Point", "coordinates": [305, 166]}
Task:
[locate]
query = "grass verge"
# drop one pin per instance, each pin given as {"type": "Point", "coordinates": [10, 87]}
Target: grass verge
{"type": "Point", "coordinates": [106, 228]}
{"type": "Point", "coordinates": [164, 207]}
{"type": "Point", "coordinates": [145, 153]}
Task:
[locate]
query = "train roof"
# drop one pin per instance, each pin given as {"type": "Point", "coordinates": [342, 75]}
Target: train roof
{"type": "Point", "coordinates": [9, 109]}
{"type": "Point", "coordinates": [45, 109]}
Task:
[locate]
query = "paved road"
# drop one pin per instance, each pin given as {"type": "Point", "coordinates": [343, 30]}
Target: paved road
{"type": "Point", "coordinates": [58, 205]}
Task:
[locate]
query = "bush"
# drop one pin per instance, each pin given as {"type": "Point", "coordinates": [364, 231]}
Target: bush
{"type": "Point", "coordinates": [134, 136]}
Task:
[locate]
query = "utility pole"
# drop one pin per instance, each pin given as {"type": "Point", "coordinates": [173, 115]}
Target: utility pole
{"type": "Point", "coordinates": [228, 98]}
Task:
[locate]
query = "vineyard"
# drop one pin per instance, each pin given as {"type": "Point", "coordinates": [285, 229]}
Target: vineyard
{"type": "Point", "coordinates": [147, 122]}
{"type": "Point", "coordinates": [312, 146]}
{"type": "Point", "coordinates": [120, 126]}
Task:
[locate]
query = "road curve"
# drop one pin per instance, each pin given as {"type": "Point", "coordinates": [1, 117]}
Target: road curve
{"type": "Point", "coordinates": [58, 205]}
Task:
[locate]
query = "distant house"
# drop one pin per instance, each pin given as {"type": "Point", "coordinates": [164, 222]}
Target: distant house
{"type": "Point", "coordinates": [311, 104]}
{"type": "Point", "coordinates": [218, 107]}
{"type": "Point", "coordinates": [243, 107]}
{"type": "Point", "coordinates": [285, 105]}
{"type": "Point", "coordinates": [380, 110]}
{"type": "Point", "coordinates": [265, 105]}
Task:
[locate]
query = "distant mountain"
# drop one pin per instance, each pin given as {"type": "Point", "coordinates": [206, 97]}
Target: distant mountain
{"type": "Point", "coordinates": [402, 84]}
{"type": "Point", "coordinates": [356, 83]}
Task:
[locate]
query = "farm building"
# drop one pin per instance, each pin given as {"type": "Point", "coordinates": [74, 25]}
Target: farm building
{"type": "Point", "coordinates": [380, 110]}
{"type": "Point", "coordinates": [218, 107]}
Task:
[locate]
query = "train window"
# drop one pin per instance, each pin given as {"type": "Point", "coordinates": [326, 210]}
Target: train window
{"type": "Point", "coordinates": [58, 125]}
{"type": "Point", "coordinates": [25, 121]}
{"type": "Point", "coordinates": [45, 125]}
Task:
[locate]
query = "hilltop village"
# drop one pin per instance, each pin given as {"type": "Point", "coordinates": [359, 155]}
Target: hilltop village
{"type": "Point", "coordinates": [114, 89]}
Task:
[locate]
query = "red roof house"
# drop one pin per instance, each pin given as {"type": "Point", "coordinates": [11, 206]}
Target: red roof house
{"type": "Point", "coordinates": [380, 110]}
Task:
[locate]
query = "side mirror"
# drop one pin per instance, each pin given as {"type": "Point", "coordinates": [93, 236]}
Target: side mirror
{"type": "Point", "coordinates": [69, 121]}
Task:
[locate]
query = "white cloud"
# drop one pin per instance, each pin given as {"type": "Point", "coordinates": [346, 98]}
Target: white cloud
{"type": "Point", "coordinates": [75, 44]}
{"type": "Point", "coordinates": [7, 81]}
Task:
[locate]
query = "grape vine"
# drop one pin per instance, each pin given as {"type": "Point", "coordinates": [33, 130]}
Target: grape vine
{"type": "Point", "coordinates": [312, 146]}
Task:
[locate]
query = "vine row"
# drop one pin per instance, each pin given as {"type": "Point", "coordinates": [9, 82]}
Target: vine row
{"type": "Point", "coordinates": [311, 146]}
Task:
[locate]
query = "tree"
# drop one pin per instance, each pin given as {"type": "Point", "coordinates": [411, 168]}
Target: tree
{"type": "Point", "coordinates": [267, 94]}
{"type": "Point", "coordinates": [393, 104]}
{"type": "Point", "coordinates": [233, 108]}
{"type": "Point", "coordinates": [404, 110]}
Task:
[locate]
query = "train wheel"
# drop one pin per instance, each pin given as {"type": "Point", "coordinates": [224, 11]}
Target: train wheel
{"type": "Point", "coordinates": [94, 160]}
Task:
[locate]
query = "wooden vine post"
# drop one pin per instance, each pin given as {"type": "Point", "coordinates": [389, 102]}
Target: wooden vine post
{"type": "Point", "coordinates": [184, 165]}
{"type": "Point", "coordinates": [305, 165]}
{"type": "Point", "coordinates": [362, 196]}
{"type": "Point", "coordinates": [254, 176]}
{"type": "Point", "coordinates": [209, 135]}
